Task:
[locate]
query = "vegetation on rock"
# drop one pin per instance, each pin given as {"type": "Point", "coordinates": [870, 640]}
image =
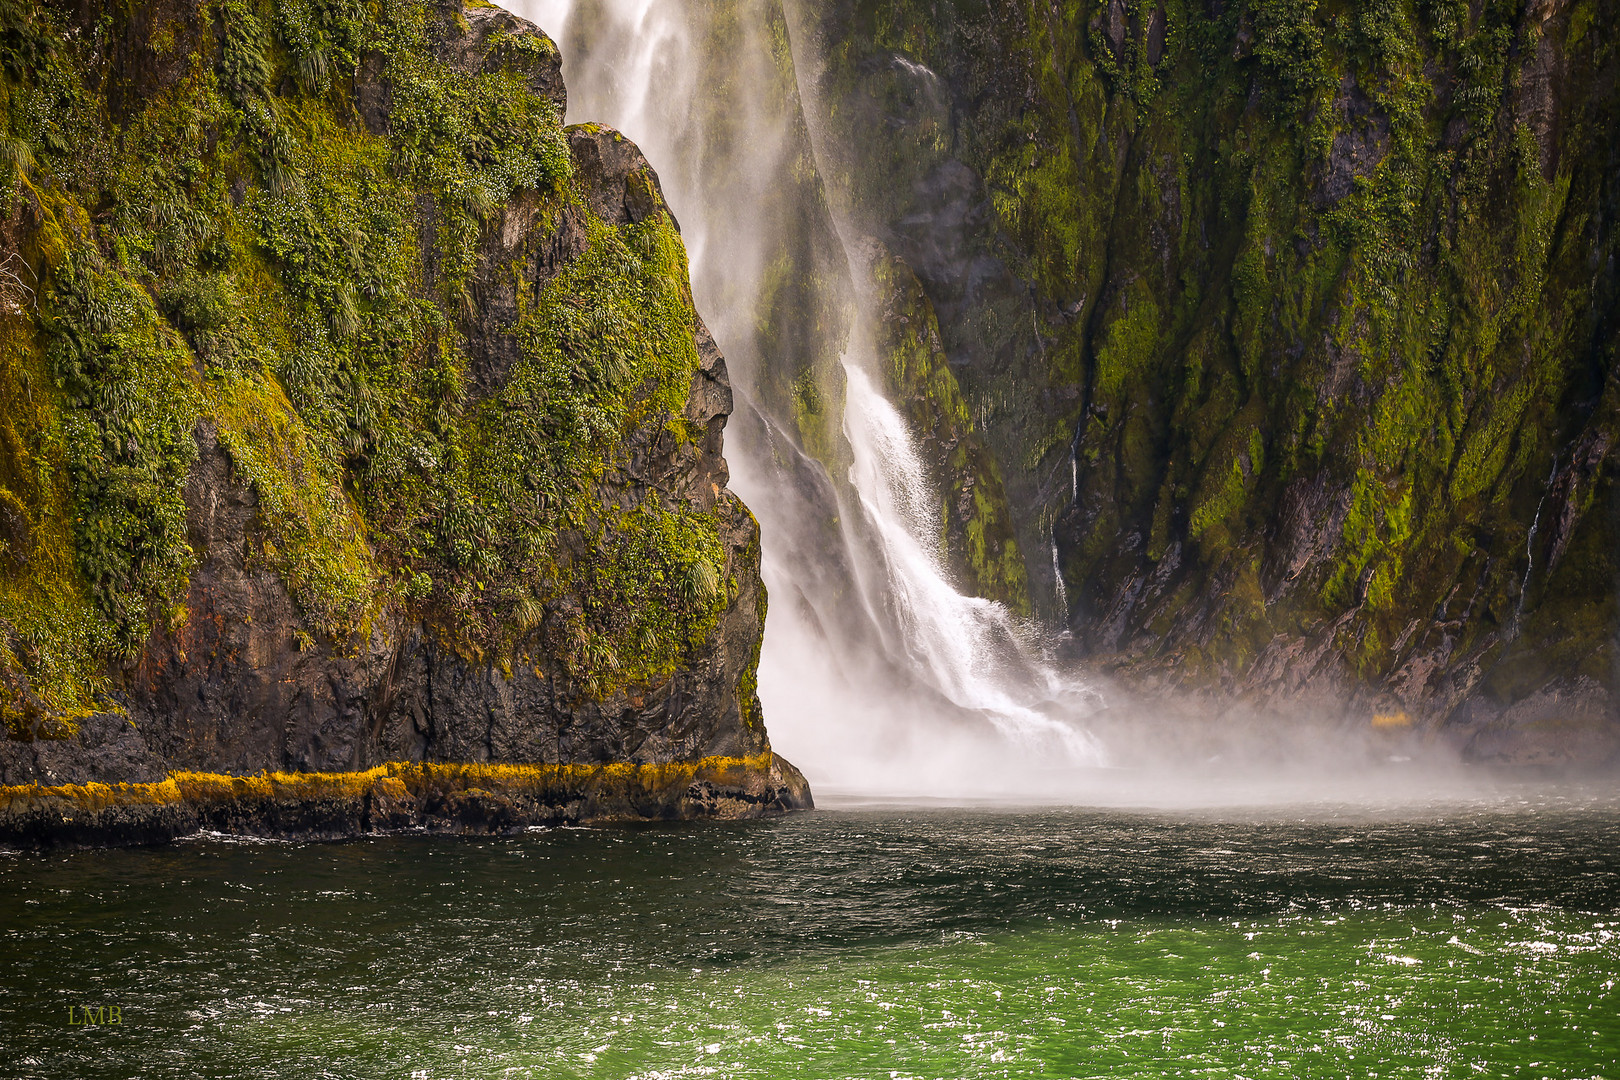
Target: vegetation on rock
{"type": "Point", "coordinates": [1320, 297]}
{"type": "Point", "coordinates": [283, 222]}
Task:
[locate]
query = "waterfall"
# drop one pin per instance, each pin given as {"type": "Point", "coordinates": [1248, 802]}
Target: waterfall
{"type": "Point", "coordinates": [967, 646]}
{"type": "Point", "coordinates": [1057, 576]}
{"type": "Point", "coordinates": [1074, 468]}
{"type": "Point", "coordinates": [877, 674]}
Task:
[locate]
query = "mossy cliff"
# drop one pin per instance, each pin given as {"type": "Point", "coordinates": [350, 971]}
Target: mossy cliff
{"type": "Point", "coordinates": [732, 123]}
{"type": "Point", "coordinates": [351, 408]}
{"type": "Point", "coordinates": [1291, 323]}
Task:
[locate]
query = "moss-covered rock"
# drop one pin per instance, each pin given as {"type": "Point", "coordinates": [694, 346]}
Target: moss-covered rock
{"type": "Point", "coordinates": [1319, 299]}
{"type": "Point", "coordinates": [459, 798]}
{"type": "Point", "coordinates": [353, 408]}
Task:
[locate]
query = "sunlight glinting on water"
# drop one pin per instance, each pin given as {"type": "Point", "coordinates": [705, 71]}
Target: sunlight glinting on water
{"type": "Point", "coordinates": [1448, 939]}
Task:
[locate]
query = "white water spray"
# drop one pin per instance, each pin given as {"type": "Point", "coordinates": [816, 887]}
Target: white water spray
{"type": "Point", "coordinates": [944, 693]}
{"type": "Point", "coordinates": [1057, 576]}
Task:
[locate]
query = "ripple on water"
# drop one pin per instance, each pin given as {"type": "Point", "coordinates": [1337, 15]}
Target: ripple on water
{"type": "Point", "coordinates": [888, 942]}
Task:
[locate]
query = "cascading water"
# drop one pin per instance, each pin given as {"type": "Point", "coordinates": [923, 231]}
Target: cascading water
{"type": "Point", "coordinates": [876, 674]}
{"type": "Point", "coordinates": [970, 648]}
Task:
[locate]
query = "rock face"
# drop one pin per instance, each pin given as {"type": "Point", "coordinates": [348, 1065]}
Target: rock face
{"type": "Point", "coordinates": [372, 423]}
{"type": "Point", "coordinates": [1293, 330]}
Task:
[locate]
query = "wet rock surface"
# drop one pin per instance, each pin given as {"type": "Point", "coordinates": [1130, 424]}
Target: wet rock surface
{"type": "Point", "coordinates": [1236, 468]}
{"type": "Point", "coordinates": [472, 800]}
{"type": "Point", "coordinates": [248, 682]}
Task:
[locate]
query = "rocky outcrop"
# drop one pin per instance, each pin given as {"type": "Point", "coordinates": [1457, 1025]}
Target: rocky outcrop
{"type": "Point", "coordinates": [466, 799]}
{"type": "Point", "coordinates": [385, 434]}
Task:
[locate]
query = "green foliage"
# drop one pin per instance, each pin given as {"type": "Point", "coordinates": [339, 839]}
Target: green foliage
{"type": "Point", "coordinates": [618, 318]}
{"type": "Point", "coordinates": [324, 39]}
{"type": "Point", "coordinates": [474, 140]}
{"type": "Point", "coordinates": [340, 238]}
{"type": "Point", "coordinates": [317, 537]}
{"type": "Point", "coordinates": [236, 250]}
{"type": "Point", "coordinates": [244, 68]}
{"type": "Point", "coordinates": [52, 636]}
{"type": "Point", "coordinates": [1291, 47]}
{"type": "Point", "coordinates": [607, 350]}
{"type": "Point", "coordinates": [127, 428]}
{"type": "Point", "coordinates": [1222, 491]}
{"type": "Point", "coordinates": [1133, 68]}
{"type": "Point", "coordinates": [1317, 260]}
{"type": "Point", "coordinates": [651, 596]}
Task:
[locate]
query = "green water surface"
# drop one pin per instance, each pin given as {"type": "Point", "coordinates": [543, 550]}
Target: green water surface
{"type": "Point", "coordinates": [891, 942]}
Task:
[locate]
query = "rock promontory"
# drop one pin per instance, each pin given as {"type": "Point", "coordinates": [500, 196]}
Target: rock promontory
{"type": "Point", "coordinates": [358, 435]}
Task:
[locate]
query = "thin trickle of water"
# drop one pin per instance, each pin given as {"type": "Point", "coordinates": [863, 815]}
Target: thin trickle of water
{"type": "Point", "coordinates": [1530, 543]}
{"type": "Point", "coordinates": [1057, 576]}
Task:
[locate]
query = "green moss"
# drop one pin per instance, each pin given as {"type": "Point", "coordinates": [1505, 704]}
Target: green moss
{"type": "Point", "coordinates": [607, 356]}
{"type": "Point", "coordinates": [52, 635]}
{"type": "Point", "coordinates": [1376, 532]}
{"type": "Point", "coordinates": [316, 537]}
{"type": "Point", "coordinates": [1234, 471]}
{"type": "Point", "coordinates": [1036, 196]}
{"type": "Point", "coordinates": [1129, 342]}
{"type": "Point", "coordinates": [1304, 252]}
{"type": "Point", "coordinates": [1290, 45]}
{"type": "Point", "coordinates": [753, 715]}
{"type": "Point", "coordinates": [131, 402]}
{"type": "Point", "coordinates": [234, 247]}
{"type": "Point", "coordinates": [650, 597]}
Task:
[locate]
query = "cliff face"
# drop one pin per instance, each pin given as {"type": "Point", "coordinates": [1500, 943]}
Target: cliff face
{"type": "Point", "coordinates": [353, 410]}
{"type": "Point", "coordinates": [1289, 328]}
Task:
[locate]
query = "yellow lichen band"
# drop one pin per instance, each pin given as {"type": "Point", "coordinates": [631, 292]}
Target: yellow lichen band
{"type": "Point", "coordinates": [400, 779]}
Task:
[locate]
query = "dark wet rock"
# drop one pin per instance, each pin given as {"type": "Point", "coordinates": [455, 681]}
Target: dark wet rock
{"type": "Point", "coordinates": [496, 40]}
{"type": "Point", "coordinates": [622, 185]}
{"type": "Point", "coordinates": [1358, 146]}
{"type": "Point", "coordinates": [1568, 725]}
{"type": "Point", "coordinates": [108, 747]}
{"type": "Point", "coordinates": [1235, 376]}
